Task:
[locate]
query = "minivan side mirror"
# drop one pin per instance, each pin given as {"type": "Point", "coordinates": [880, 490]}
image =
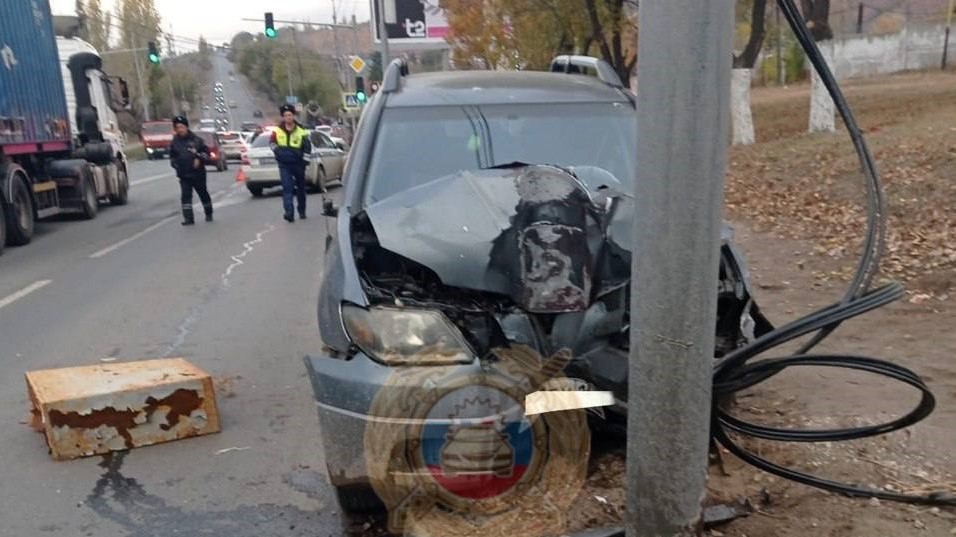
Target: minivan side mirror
{"type": "Point", "coordinates": [124, 91]}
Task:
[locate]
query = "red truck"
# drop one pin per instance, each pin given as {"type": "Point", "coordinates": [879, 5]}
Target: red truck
{"type": "Point", "coordinates": [157, 137]}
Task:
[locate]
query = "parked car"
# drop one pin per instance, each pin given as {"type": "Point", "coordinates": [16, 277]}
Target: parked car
{"type": "Point", "coordinates": [217, 157]}
{"type": "Point", "coordinates": [232, 104]}
{"type": "Point", "coordinates": [337, 133]}
{"type": "Point", "coordinates": [331, 154]}
{"type": "Point", "coordinates": [232, 144]}
{"type": "Point", "coordinates": [483, 210]}
{"type": "Point", "coordinates": [329, 131]}
{"type": "Point", "coordinates": [262, 172]}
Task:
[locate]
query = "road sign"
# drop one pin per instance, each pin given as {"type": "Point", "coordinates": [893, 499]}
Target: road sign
{"type": "Point", "coordinates": [357, 64]}
{"type": "Point", "coordinates": [351, 101]}
{"type": "Point", "coordinates": [413, 22]}
{"type": "Point", "coordinates": [291, 99]}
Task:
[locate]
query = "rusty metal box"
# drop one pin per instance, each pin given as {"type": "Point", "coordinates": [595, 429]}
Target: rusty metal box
{"type": "Point", "coordinates": [95, 409]}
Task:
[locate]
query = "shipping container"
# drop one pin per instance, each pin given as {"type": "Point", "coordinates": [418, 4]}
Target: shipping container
{"type": "Point", "coordinates": [32, 99]}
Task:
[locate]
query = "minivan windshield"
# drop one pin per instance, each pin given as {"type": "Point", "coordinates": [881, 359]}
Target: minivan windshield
{"type": "Point", "coordinates": [416, 145]}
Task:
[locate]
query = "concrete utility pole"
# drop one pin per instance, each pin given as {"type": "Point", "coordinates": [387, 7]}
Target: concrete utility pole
{"type": "Point", "coordinates": [683, 110]}
{"type": "Point", "coordinates": [383, 33]}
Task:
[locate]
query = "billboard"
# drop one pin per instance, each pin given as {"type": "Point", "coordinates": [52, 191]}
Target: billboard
{"type": "Point", "coordinates": [412, 22]}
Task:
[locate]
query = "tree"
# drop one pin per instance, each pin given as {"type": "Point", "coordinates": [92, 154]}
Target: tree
{"type": "Point", "coordinates": [478, 34]}
{"type": "Point", "coordinates": [271, 67]}
{"type": "Point", "coordinates": [822, 110]}
{"type": "Point", "coordinates": [743, 124]}
{"type": "Point", "coordinates": [527, 34]}
{"type": "Point", "coordinates": [758, 29]}
{"type": "Point", "coordinates": [139, 22]}
{"type": "Point", "coordinates": [238, 41]}
{"type": "Point", "coordinates": [96, 22]}
{"type": "Point", "coordinates": [817, 15]}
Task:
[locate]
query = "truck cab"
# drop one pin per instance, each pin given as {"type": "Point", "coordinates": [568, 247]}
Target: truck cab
{"type": "Point", "coordinates": [100, 92]}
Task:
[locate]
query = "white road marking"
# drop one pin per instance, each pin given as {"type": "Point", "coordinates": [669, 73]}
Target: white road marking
{"type": "Point", "coordinates": [35, 286]}
{"type": "Point", "coordinates": [151, 178]}
{"type": "Point", "coordinates": [116, 246]}
{"type": "Point", "coordinates": [246, 249]}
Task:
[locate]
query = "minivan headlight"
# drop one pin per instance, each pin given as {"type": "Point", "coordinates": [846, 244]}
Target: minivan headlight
{"type": "Point", "coordinates": [402, 336]}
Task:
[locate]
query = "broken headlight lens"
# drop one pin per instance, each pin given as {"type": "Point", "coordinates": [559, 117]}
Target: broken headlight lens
{"type": "Point", "coordinates": [405, 336]}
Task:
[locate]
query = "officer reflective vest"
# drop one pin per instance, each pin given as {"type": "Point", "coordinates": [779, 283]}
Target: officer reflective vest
{"type": "Point", "coordinates": [290, 147]}
{"type": "Point", "coordinates": [293, 139]}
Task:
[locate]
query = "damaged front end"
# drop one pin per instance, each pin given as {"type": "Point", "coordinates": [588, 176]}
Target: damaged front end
{"type": "Point", "coordinates": [533, 255]}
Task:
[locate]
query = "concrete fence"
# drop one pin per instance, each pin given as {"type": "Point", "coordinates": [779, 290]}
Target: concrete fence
{"type": "Point", "coordinates": [917, 46]}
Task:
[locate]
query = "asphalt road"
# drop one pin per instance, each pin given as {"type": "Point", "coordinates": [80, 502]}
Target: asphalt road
{"type": "Point", "coordinates": [236, 297]}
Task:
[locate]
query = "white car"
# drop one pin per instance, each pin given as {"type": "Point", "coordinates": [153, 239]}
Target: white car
{"type": "Point", "coordinates": [261, 170]}
{"type": "Point", "coordinates": [232, 143]}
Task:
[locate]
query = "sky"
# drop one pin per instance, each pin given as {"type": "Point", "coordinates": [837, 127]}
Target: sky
{"type": "Point", "coordinates": [219, 20]}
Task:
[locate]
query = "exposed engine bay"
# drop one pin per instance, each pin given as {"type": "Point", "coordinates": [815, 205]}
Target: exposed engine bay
{"type": "Point", "coordinates": [536, 255]}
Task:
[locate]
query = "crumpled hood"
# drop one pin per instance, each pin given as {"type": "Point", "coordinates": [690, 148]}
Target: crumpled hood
{"type": "Point", "coordinates": [535, 233]}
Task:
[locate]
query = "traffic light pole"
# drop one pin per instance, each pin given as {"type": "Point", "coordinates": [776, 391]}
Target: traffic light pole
{"type": "Point", "coordinates": [142, 89]}
{"type": "Point", "coordinates": [682, 109]}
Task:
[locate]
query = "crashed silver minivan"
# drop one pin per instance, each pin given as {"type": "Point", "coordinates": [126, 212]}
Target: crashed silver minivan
{"type": "Point", "coordinates": [482, 210]}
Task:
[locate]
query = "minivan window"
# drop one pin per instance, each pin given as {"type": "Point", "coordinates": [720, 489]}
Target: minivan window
{"type": "Point", "coordinates": [416, 145]}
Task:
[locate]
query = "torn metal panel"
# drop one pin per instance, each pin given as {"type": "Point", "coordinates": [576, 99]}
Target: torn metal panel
{"type": "Point", "coordinates": [92, 410]}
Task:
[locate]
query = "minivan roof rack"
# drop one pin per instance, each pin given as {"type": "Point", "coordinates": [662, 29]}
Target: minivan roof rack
{"type": "Point", "coordinates": [577, 64]}
{"type": "Point", "coordinates": [392, 79]}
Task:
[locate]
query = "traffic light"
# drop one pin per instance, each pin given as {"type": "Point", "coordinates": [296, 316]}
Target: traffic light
{"type": "Point", "coordinates": [360, 89]}
{"type": "Point", "coordinates": [271, 32]}
{"type": "Point", "coordinates": [152, 55]}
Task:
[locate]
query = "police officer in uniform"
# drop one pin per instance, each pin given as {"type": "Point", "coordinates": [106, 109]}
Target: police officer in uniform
{"type": "Point", "coordinates": [188, 155]}
{"type": "Point", "coordinates": [291, 146]}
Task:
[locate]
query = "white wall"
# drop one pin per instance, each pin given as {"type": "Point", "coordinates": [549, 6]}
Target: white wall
{"type": "Point", "coordinates": [915, 47]}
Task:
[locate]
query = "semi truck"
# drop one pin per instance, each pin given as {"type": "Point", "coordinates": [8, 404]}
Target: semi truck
{"type": "Point", "coordinates": [61, 148]}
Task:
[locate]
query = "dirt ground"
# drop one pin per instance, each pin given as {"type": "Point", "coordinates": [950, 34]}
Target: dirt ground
{"type": "Point", "coordinates": [796, 203]}
{"type": "Point", "coordinates": [795, 200]}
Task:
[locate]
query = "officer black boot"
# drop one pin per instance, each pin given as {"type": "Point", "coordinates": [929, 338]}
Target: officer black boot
{"type": "Point", "coordinates": [188, 219]}
{"type": "Point", "coordinates": [208, 209]}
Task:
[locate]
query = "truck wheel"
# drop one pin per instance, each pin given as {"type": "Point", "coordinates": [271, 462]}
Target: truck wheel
{"type": "Point", "coordinates": [121, 197]}
{"type": "Point", "coordinates": [358, 499]}
{"type": "Point", "coordinates": [19, 212]}
{"type": "Point", "coordinates": [89, 203]}
{"type": "Point", "coordinates": [255, 190]}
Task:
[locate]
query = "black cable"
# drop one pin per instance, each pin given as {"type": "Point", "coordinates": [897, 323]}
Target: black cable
{"type": "Point", "coordinates": [734, 372]}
